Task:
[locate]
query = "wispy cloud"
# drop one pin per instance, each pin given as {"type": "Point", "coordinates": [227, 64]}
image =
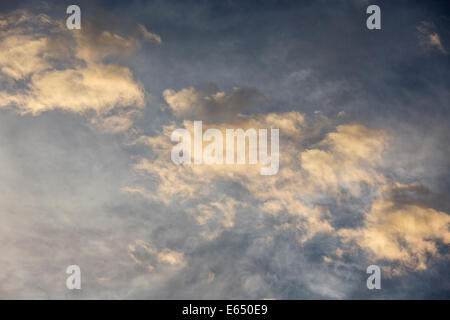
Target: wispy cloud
{"type": "Point", "coordinates": [429, 38]}
{"type": "Point", "coordinates": [318, 174]}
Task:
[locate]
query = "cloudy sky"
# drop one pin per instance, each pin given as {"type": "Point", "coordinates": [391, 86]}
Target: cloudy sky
{"type": "Point", "coordinates": [86, 176]}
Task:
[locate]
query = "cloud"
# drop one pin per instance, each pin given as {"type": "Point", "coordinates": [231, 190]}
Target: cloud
{"type": "Point", "coordinates": [152, 259]}
{"type": "Point", "coordinates": [186, 184]}
{"type": "Point", "coordinates": [429, 38]}
{"type": "Point", "coordinates": [53, 68]}
{"type": "Point", "coordinates": [193, 104]}
{"type": "Point", "coordinates": [149, 35]}
{"type": "Point", "coordinates": [99, 88]}
{"type": "Point", "coordinates": [120, 122]}
{"type": "Point", "coordinates": [345, 184]}
{"type": "Point", "coordinates": [94, 45]}
{"type": "Point", "coordinates": [350, 156]}
{"type": "Point", "coordinates": [323, 166]}
{"type": "Point", "coordinates": [22, 55]}
{"type": "Point", "coordinates": [407, 234]}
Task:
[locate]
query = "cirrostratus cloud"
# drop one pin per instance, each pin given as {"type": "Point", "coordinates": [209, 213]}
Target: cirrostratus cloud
{"type": "Point", "coordinates": [326, 168]}
{"type": "Point", "coordinates": [47, 67]}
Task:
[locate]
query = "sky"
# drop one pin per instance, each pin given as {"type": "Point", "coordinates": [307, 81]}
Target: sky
{"type": "Point", "coordinates": [86, 176]}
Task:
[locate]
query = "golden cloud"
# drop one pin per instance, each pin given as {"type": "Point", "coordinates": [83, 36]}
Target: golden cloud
{"type": "Point", "coordinates": [345, 162]}
{"type": "Point", "coordinates": [429, 38]}
{"type": "Point", "coordinates": [63, 69]}
{"type": "Point", "coordinates": [152, 259]}
{"type": "Point", "coordinates": [407, 234]}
